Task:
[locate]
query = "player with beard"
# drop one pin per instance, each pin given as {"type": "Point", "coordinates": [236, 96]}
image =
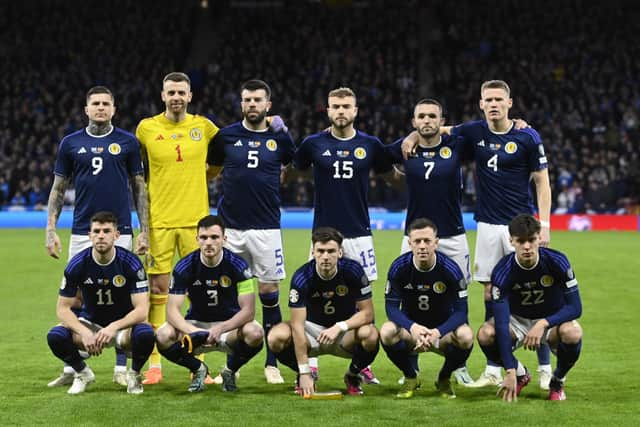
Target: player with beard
{"type": "Point", "coordinates": [253, 156]}
{"type": "Point", "coordinates": [342, 159]}
{"type": "Point", "coordinates": [433, 170]}
{"type": "Point", "coordinates": [174, 148]}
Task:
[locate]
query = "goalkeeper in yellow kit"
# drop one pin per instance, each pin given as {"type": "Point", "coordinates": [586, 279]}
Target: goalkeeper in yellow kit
{"type": "Point", "coordinates": [174, 148]}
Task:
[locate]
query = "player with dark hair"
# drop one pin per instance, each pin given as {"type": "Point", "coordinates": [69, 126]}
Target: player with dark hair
{"type": "Point", "coordinates": [331, 313]}
{"type": "Point", "coordinates": [433, 178]}
{"type": "Point", "coordinates": [507, 158]}
{"type": "Point", "coordinates": [174, 149]}
{"type": "Point", "coordinates": [535, 300]}
{"type": "Point", "coordinates": [114, 289]}
{"type": "Point", "coordinates": [426, 303]}
{"type": "Point", "coordinates": [221, 312]}
{"type": "Point", "coordinates": [253, 157]}
{"type": "Point", "coordinates": [93, 159]}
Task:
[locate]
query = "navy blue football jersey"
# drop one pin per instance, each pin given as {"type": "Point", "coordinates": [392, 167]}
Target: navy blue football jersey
{"type": "Point", "coordinates": [434, 183]}
{"type": "Point", "coordinates": [504, 163]}
{"type": "Point", "coordinates": [341, 170]}
{"type": "Point", "coordinates": [333, 300]}
{"type": "Point", "coordinates": [436, 298]}
{"type": "Point", "coordinates": [252, 163]}
{"type": "Point", "coordinates": [538, 292]}
{"type": "Point", "coordinates": [100, 167]}
{"type": "Point", "coordinates": [212, 291]}
{"type": "Point", "coordinates": [106, 289]}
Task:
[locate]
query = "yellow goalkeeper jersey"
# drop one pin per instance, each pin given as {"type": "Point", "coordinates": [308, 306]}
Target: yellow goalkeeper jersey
{"type": "Point", "coordinates": [176, 154]}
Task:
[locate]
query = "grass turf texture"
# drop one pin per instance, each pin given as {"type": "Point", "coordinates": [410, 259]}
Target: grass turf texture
{"type": "Point", "coordinates": [601, 389]}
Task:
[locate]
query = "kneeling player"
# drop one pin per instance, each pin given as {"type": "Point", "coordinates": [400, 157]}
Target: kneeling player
{"type": "Point", "coordinates": [114, 290]}
{"type": "Point", "coordinates": [426, 302]}
{"type": "Point", "coordinates": [331, 313]}
{"type": "Point", "coordinates": [221, 315]}
{"type": "Point", "coordinates": [535, 300]}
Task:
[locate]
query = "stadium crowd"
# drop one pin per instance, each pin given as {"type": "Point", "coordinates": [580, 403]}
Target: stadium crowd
{"type": "Point", "coordinates": [578, 87]}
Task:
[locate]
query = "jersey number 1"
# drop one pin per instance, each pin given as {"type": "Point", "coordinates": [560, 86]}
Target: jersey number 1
{"type": "Point", "coordinates": [179, 159]}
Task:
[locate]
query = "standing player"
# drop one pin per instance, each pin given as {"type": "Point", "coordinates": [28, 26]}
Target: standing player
{"type": "Point", "coordinates": [114, 293]}
{"type": "Point", "coordinates": [331, 313]}
{"type": "Point", "coordinates": [174, 148]}
{"type": "Point", "coordinates": [426, 303]}
{"type": "Point", "coordinates": [535, 300]}
{"type": "Point", "coordinates": [253, 156]}
{"type": "Point", "coordinates": [97, 158]}
{"type": "Point", "coordinates": [434, 186]}
{"type": "Point", "coordinates": [506, 159]}
{"type": "Point", "coordinates": [342, 159]}
{"type": "Point", "coordinates": [221, 311]}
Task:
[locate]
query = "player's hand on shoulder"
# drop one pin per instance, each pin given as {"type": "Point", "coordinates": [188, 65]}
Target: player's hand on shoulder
{"type": "Point", "coordinates": [520, 124]}
{"type": "Point", "coordinates": [276, 124]}
{"type": "Point", "coordinates": [545, 236]}
{"type": "Point", "coordinates": [409, 145]}
{"type": "Point", "coordinates": [52, 243]}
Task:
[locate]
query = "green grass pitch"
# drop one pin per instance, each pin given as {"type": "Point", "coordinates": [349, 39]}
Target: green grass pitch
{"type": "Point", "coordinates": [601, 389]}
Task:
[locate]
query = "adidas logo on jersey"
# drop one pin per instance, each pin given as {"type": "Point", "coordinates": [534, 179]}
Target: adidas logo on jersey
{"type": "Point", "coordinates": [88, 281]}
{"type": "Point", "coordinates": [481, 143]}
{"type": "Point", "coordinates": [159, 137]}
{"type": "Point", "coordinates": [408, 286]}
{"type": "Point", "coordinates": [82, 150]}
{"type": "Point", "coordinates": [238, 143]}
{"type": "Point", "coordinates": [326, 153]}
{"type": "Point", "coordinates": [197, 283]}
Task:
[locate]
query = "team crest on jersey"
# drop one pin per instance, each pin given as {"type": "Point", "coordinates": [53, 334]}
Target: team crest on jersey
{"type": "Point", "coordinates": [343, 153]}
{"type": "Point", "coordinates": [546, 280]}
{"type": "Point", "coordinates": [294, 296]}
{"type": "Point", "coordinates": [254, 144]}
{"type": "Point", "coordinates": [360, 153]}
{"type": "Point", "coordinates": [119, 281]}
{"type": "Point", "coordinates": [271, 144]}
{"type": "Point", "coordinates": [195, 134]}
{"type": "Point", "coordinates": [114, 148]}
{"type": "Point", "coordinates": [225, 281]}
{"type": "Point", "coordinates": [445, 152]}
{"type": "Point", "coordinates": [342, 290]}
{"type": "Point", "coordinates": [97, 150]}
{"type": "Point", "coordinates": [511, 147]}
{"type": "Point", "coordinates": [439, 287]}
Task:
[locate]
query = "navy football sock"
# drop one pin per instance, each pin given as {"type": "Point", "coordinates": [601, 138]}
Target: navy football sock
{"type": "Point", "coordinates": [288, 357]}
{"type": "Point", "coordinates": [492, 352]}
{"type": "Point", "coordinates": [544, 354]}
{"type": "Point", "coordinates": [362, 358]}
{"type": "Point", "coordinates": [121, 358]}
{"type": "Point", "coordinates": [61, 344]}
{"type": "Point", "coordinates": [179, 354]}
{"type": "Point", "coordinates": [142, 341]}
{"type": "Point", "coordinates": [454, 358]}
{"type": "Point", "coordinates": [568, 354]}
{"type": "Point", "coordinates": [401, 356]}
{"type": "Point", "coordinates": [242, 353]}
{"type": "Point", "coordinates": [271, 316]}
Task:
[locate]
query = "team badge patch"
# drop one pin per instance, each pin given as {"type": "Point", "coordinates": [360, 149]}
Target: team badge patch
{"type": "Point", "coordinates": [294, 296]}
{"type": "Point", "coordinates": [541, 150]}
{"type": "Point", "coordinates": [97, 150]}
{"type": "Point", "coordinates": [195, 134]}
{"type": "Point", "coordinates": [342, 290]}
{"type": "Point", "coordinates": [63, 284]}
{"type": "Point", "coordinates": [511, 147]}
{"type": "Point", "coordinates": [254, 144]}
{"type": "Point", "coordinates": [495, 293]}
{"type": "Point", "coordinates": [360, 153]}
{"type": "Point", "coordinates": [119, 281]}
{"type": "Point", "coordinates": [546, 280]}
{"type": "Point", "coordinates": [114, 149]}
{"type": "Point", "coordinates": [439, 287]}
{"type": "Point", "coordinates": [225, 281]}
{"type": "Point", "coordinates": [387, 288]}
{"type": "Point", "coordinates": [271, 144]}
{"type": "Point", "coordinates": [141, 274]}
{"type": "Point", "coordinates": [445, 152]}
{"type": "Point", "coordinates": [570, 274]}
{"type": "Point", "coordinates": [343, 153]}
